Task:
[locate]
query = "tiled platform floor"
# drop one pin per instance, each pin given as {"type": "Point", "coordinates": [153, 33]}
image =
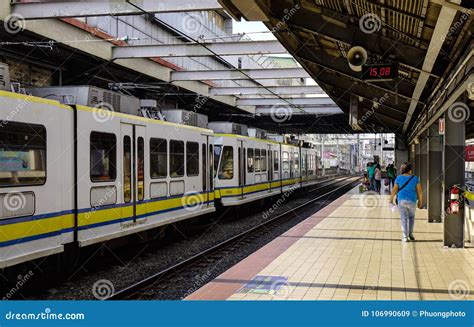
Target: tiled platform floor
{"type": "Point", "coordinates": [351, 250]}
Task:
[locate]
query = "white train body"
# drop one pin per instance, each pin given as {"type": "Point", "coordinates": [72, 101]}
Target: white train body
{"type": "Point", "coordinates": [248, 169]}
{"type": "Point", "coordinates": [79, 175]}
{"type": "Point", "coordinates": [123, 183]}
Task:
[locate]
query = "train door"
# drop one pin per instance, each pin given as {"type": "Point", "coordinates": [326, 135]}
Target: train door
{"type": "Point", "coordinates": [206, 173]}
{"type": "Point", "coordinates": [270, 166]}
{"type": "Point", "coordinates": [133, 169]}
{"type": "Point", "coordinates": [241, 168]}
{"type": "Point", "coordinates": [304, 165]}
{"type": "Point", "coordinates": [250, 170]}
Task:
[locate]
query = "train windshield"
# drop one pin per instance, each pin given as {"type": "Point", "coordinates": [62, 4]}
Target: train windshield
{"type": "Point", "coordinates": [217, 157]}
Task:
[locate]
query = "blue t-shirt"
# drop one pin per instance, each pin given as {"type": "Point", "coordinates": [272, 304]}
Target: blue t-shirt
{"type": "Point", "coordinates": [409, 191]}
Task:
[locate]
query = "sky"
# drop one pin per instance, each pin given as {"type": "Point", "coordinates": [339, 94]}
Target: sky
{"type": "Point", "coordinates": [253, 28]}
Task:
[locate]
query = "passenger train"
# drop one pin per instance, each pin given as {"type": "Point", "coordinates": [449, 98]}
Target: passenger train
{"type": "Point", "coordinates": [75, 175]}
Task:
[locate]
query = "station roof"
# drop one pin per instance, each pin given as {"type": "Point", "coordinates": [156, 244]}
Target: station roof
{"type": "Point", "coordinates": [426, 38]}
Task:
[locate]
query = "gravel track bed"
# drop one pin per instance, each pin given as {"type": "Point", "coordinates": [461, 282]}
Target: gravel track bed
{"type": "Point", "coordinates": [129, 269]}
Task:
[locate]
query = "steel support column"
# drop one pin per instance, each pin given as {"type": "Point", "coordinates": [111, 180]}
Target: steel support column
{"type": "Point", "coordinates": [453, 167]}
{"type": "Point", "coordinates": [435, 174]}
{"type": "Point", "coordinates": [423, 167]}
{"type": "Point", "coordinates": [417, 162]}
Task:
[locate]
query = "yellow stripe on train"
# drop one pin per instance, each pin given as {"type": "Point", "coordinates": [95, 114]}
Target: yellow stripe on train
{"type": "Point", "coordinates": [36, 227]}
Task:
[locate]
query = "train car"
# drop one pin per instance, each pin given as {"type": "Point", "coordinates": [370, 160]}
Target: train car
{"type": "Point", "coordinates": [36, 178]}
{"type": "Point", "coordinates": [246, 168]}
{"type": "Point", "coordinates": [309, 169]}
{"type": "Point", "coordinates": [250, 169]}
{"type": "Point", "coordinates": [290, 166]}
{"type": "Point", "coordinates": [137, 173]}
{"type": "Point", "coordinates": [72, 174]}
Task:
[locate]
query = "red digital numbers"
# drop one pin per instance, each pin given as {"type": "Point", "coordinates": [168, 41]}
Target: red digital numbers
{"type": "Point", "coordinates": [379, 72]}
{"type": "Point", "coordinates": [375, 72]}
{"type": "Point", "coordinates": [385, 71]}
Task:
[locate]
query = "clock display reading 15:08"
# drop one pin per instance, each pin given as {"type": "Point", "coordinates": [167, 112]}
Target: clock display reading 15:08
{"type": "Point", "coordinates": [379, 72]}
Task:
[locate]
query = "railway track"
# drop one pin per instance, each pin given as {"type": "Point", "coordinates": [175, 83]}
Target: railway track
{"type": "Point", "coordinates": [204, 261]}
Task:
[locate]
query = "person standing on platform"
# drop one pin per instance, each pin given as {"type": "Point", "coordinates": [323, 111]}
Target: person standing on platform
{"type": "Point", "coordinates": [378, 178]}
{"type": "Point", "coordinates": [391, 173]}
{"type": "Point", "coordinates": [371, 174]}
{"type": "Point", "coordinates": [407, 190]}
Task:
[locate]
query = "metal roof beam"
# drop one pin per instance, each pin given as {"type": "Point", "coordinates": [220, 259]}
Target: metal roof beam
{"type": "Point", "coordinates": [312, 22]}
{"type": "Point", "coordinates": [329, 110]}
{"type": "Point", "coordinates": [84, 8]}
{"type": "Point", "coordinates": [270, 73]}
{"type": "Point", "coordinates": [321, 101]}
{"type": "Point", "coordinates": [443, 24]}
{"type": "Point", "coordinates": [269, 90]}
{"type": "Point", "coordinates": [199, 49]}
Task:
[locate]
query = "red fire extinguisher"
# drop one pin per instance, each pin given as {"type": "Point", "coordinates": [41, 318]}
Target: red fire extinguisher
{"type": "Point", "coordinates": [454, 199]}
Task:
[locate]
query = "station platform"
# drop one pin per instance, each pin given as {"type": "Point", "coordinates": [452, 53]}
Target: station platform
{"type": "Point", "coordinates": [350, 250]}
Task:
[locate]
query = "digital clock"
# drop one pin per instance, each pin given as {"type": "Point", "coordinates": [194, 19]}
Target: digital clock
{"type": "Point", "coordinates": [379, 72]}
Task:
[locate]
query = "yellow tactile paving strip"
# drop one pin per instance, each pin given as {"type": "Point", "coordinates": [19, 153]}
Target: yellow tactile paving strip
{"type": "Point", "coordinates": [356, 254]}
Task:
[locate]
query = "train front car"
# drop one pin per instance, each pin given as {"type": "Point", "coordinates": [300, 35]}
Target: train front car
{"type": "Point", "coordinates": [36, 178]}
{"type": "Point", "coordinates": [246, 168]}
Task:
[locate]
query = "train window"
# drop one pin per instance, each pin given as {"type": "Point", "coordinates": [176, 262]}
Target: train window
{"type": "Point", "coordinates": [176, 158]}
{"type": "Point", "coordinates": [22, 154]}
{"type": "Point", "coordinates": [226, 169]}
{"type": "Point", "coordinates": [217, 157]}
{"type": "Point", "coordinates": [192, 158]}
{"type": "Point", "coordinates": [250, 162]}
{"type": "Point", "coordinates": [127, 169]}
{"type": "Point", "coordinates": [275, 161]}
{"type": "Point", "coordinates": [263, 161]}
{"type": "Point", "coordinates": [257, 160]}
{"type": "Point", "coordinates": [297, 161]}
{"type": "Point", "coordinates": [103, 156]}
{"type": "Point", "coordinates": [158, 158]}
{"type": "Point", "coordinates": [141, 168]}
{"type": "Point", "coordinates": [285, 161]}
